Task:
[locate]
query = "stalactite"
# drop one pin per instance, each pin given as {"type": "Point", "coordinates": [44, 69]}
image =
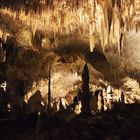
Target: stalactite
{"type": "Point", "coordinates": [77, 3]}
{"type": "Point", "coordinates": [92, 42]}
{"type": "Point", "coordinates": [136, 28]}
{"type": "Point", "coordinates": [62, 18]}
{"type": "Point", "coordinates": [27, 5]}
{"type": "Point", "coordinates": [35, 6]}
{"type": "Point", "coordinates": [113, 3]}
{"type": "Point", "coordinates": [102, 34]}
{"type": "Point", "coordinates": [106, 28]}
{"type": "Point", "coordinates": [116, 27]}
{"type": "Point", "coordinates": [119, 4]}
{"type": "Point", "coordinates": [47, 3]}
{"type": "Point", "coordinates": [121, 42]}
{"type": "Point", "coordinates": [122, 33]}
{"type": "Point", "coordinates": [109, 18]}
{"type": "Point", "coordinates": [72, 5]}
{"type": "Point", "coordinates": [92, 26]}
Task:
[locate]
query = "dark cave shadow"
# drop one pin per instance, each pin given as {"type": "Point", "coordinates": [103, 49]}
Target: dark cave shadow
{"type": "Point", "coordinates": [15, 5]}
{"type": "Point", "coordinates": [122, 121]}
{"type": "Point", "coordinates": [96, 58]}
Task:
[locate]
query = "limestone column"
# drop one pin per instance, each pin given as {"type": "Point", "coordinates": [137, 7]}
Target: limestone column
{"type": "Point", "coordinates": [85, 95]}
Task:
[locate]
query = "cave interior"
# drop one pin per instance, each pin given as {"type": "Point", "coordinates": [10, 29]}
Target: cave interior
{"type": "Point", "coordinates": [69, 69]}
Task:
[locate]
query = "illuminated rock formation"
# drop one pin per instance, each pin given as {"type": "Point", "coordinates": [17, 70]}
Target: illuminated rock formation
{"type": "Point", "coordinates": [100, 101]}
{"type": "Point", "coordinates": [108, 19]}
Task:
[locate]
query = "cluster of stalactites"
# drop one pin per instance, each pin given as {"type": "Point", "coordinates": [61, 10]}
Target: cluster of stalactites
{"type": "Point", "coordinates": [108, 18]}
{"type": "Point", "coordinates": [114, 19]}
{"type": "Point", "coordinates": [111, 19]}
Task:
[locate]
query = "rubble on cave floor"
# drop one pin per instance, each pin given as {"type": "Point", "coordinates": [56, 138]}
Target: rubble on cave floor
{"type": "Point", "coordinates": [121, 123]}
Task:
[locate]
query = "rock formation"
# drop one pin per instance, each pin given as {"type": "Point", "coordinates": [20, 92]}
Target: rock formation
{"type": "Point", "coordinates": [85, 93]}
{"type": "Point", "coordinates": [100, 101]}
{"type": "Point", "coordinates": [34, 103]}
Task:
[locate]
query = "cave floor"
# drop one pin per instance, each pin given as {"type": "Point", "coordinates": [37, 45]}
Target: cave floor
{"type": "Point", "coordinates": [121, 123]}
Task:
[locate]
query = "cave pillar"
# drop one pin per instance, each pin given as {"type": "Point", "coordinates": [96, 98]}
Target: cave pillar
{"type": "Point", "coordinates": [85, 93]}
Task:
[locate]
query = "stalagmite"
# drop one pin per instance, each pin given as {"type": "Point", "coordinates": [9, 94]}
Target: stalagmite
{"type": "Point", "coordinates": [94, 102]}
{"type": "Point", "coordinates": [109, 97]}
{"type": "Point", "coordinates": [100, 101]}
{"type": "Point", "coordinates": [34, 103]}
{"type": "Point", "coordinates": [85, 94]}
{"type": "Point", "coordinates": [122, 98]}
{"type": "Point", "coordinates": [61, 107]}
{"type": "Point", "coordinates": [77, 105]}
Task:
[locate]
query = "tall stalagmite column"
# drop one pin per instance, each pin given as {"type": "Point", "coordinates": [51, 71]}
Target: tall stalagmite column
{"type": "Point", "coordinates": [85, 95]}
